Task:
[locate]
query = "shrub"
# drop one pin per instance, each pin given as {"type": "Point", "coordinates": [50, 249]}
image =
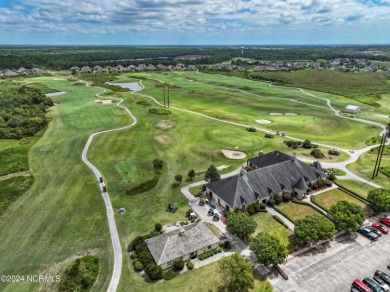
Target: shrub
{"type": "Point", "coordinates": [251, 129]}
{"type": "Point", "coordinates": [206, 255]}
{"type": "Point", "coordinates": [170, 274]}
{"type": "Point", "coordinates": [159, 111]}
{"type": "Point", "coordinates": [190, 265]}
{"type": "Point", "coordinates": [158, 227]}
{"type": "Point", "coordinates": [138, 266]}
{"type": "Point", "coordinates": [262, 206]}
{"type": "Point", "coordinates": [328, 183]}
{"type": "Point", "coordinates": [271, 202]}
{"type": "Point", "coordinates": [317, 153]}
{"type": "Point", "coordinates": [134, 255]}
{"type": "Point", "coordinates": [332, 177]}
{"type": "Point", "coordinates": [154, 272]}
{"type": "Point", "coordinates": [251, 209]}
{"type": "Point", "coordinates": [154, 233]}
{"type": "Point", "coordinates": [278, 199]}
{"type": "Point", "coordinates": [333, 152]}
{"type": "Point", "coordinates": [178, 264]}
{"type": "Point", "coordinates": [286, 197]}
{"type": "Point", "coordinates": [179, 178]}
{"type": "Point", "coordinates": [227, 245]}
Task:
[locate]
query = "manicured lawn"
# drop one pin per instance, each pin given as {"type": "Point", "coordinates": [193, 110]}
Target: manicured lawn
{"type": "Point", "coordinates": [364, 167]}
{"type": "Point", "coordinates": [297, 211]}
{"type": "Point", "coordinates": [329, 198]}
{"type": "Point", "coordinates": [195, 190]}
{"type": "Point", "coordinates": [357, 187]}
{"type": "Point", "coordinates": [266, 223]}
{"type": "Point", "coordinates": [213, 229]}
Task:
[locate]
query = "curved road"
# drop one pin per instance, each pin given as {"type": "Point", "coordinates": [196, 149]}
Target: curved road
{"type": "Point", "coordinates": [116, 245]}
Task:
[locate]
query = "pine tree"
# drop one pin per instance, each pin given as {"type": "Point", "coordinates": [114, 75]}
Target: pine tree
{"type": "Point", "coordinates": [212, 174]}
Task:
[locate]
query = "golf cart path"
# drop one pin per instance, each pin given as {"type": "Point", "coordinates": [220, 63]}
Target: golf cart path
{"type": "Point", "coordinates": [116, 245]}
{"type": "Point", "coordinates": [15, 174]}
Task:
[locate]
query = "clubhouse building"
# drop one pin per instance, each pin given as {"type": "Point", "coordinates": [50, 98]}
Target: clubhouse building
{"type": "Point", "coordinates": [273, 173]}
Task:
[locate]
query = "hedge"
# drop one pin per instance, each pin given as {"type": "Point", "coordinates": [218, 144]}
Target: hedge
{"type": "Point", "coordinates": [190, 265]}
{"type": "Point", "coordinates": [170, 274]}
{"type": "Point", "coordinates": [319, 209]}
{"type": "Point", "coordinates": [285, 215]}
{"type": "Point", "coordinates": [206, 255]}
{"type": "Point", "coordinates": [353, 194]}
{"type": "Point", "coordinates": [159, 111]}
{"type": "Point", "coordinates": [277, 218]}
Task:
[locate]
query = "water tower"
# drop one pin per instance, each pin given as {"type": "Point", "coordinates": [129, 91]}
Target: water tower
{"type": "Point", "coordinates": [242, 50]}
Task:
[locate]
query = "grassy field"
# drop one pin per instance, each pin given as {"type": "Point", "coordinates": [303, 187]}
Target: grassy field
{"type": "Point", "coordinates": [11, 189]}
{"type": "Point", "coordinates": [266, 223]}
{"type": "Point", "coordinates": [329, 198]}
{"type": "Point", "coordinates": [245, 101]}
{"type": "Point", "coordinates": [364, 167]}
{"type": "Point", "coordinates": [357, 187]}
{"type": "Point", "coordinates": [297, 211]}
{"type": "Point", "coordinates": [62, 215]}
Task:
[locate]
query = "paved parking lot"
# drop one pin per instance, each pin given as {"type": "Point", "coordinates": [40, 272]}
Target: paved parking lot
{"type": "Point", "coordinates": [335, 267]}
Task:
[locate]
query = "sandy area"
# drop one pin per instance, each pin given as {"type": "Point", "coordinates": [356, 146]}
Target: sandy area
{"type": "Point", "coordinates": [263, 121]}
{"type": "Point", "coordinates": [165, 125]}
{"type": "Point", "coordinates": [382, 116]}
{"type": "Point", "coordinates": [222, 167]}
{"type": "Point", "coordinates": [106, 101]}
{"type": "Point", "coordinates": [58, 79]}
{"type": "Point", "coordinates": [234, 154]}
{"type": "Point", "coordinates": [291, 114]}
{"type": "Point", "coordinates": [163, 139]}
{"type": "Point", "coordinates": [275, 114]}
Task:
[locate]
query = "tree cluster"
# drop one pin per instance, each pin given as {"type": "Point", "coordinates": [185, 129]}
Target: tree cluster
{"type": "Point", "coordinates": [22, 112]}
{"type": "Point", "coordinates": [347, 216]}
{"type": "Point", "coordinates": [313, 228]}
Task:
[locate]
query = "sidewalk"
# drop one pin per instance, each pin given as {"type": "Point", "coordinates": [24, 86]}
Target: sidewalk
{"type": "Point", "coordinates": [272, 211]}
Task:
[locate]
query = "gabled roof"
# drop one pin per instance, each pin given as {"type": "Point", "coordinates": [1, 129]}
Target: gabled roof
{"type": "Point", "coordinates": [270, 158]}
{"type": "Point", "coordinates": [263, 182]}
{"type": "Point", "coordinates": [172, 245]}
{"type": "Point", "coordinates": [352, 107]}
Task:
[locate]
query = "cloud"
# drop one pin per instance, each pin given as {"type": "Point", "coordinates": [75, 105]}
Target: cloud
{"type": "Point", "coordinates": [190, 16]}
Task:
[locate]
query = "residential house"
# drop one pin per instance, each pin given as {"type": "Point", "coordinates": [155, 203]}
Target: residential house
{"type": "Point", "coordinates": [74, 69]}
{"type": "Point", "coordinates": [274, 173]}
{"type": "Point", "coordinates": [184, 243]}
{"type": "Point", "coordinates": [86, 70]}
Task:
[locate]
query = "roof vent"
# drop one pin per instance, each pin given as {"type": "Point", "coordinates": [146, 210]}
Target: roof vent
{"type": "Point", "coordinates": [261, 153]}
{"type": "Point", "coordinates": [181, 232]}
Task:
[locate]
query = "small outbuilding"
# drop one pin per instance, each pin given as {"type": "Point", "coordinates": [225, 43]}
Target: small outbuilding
{"type": "Point", "coordinates": [353, 109]}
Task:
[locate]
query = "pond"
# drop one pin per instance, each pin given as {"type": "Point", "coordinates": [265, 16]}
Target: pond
{"type": "Point", "coordinates": [134, 86]}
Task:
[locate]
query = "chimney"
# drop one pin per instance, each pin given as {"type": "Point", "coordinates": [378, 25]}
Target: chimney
{"type": "Point", "coordinates": [261, 153]}
{"type": "Point", "coordinates": [181, 232]}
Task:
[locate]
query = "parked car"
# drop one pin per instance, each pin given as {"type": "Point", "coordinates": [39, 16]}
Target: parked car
{"type": "Point", "coordinates": [385, 220]}
{"type": "Point", "coordinates": [381, 283]}
{"type": "Point", "coordinates": [284, 134]}
{"type": "Point", "coordinates": [373, 229]}
{"type": "Point", "coordinates": [368, 233]}
{"type": "Point", "coordinates": [384, 276]}
{"type": "Point", "coordinates": [380, 227]}
{"type": "Point", "coordinates": [372, 285]}
{"type": "Point", "coordinates": [359, 285]}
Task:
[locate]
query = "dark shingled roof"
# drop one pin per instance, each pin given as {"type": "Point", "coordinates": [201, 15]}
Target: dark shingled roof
{"type": "Point", "coordinates": [262, 182]}
{"type": "Point", "coordinates": [270, 158]}
{"type": "Point", "coordinates": [171, 245]}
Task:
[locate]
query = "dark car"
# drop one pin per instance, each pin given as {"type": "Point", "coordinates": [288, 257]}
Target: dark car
{"type": "Point", "coordinates": [381, 283]}
{"type": "Point", "coordinates": [368, 233]}
{"type": "Point", "coordinates": [380, 227]}
{"type": "Point", "coordinates": [384, 276]}
{"type": "Point", "coordinates": [373, 285]}
{"type": "Point", "coordinates": [385, 220]}
{"type": "Point", "coordinates": [374, 230]}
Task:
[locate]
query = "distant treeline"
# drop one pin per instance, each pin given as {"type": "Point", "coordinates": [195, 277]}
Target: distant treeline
{"type": "Point", "coordinates": [22, 112]}
{"type": "Point", "coordinates": [60, 58]}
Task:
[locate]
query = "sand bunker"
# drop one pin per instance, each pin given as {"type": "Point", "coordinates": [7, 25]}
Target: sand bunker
{"type": "Point", "coordinates": [163, 139]}
{"type": "Point", "coordinates": [104, 101]}
{"type": "Point", "coordinates": [233, 154]}
{"type": "Point", "coordinates": [222, 167]}
{"type": "Point", "coordinates": [291, 114]}
{"type": "Point", "coordinates": [275, 114]}
{"type": "Point", "coordinates": [165, 125]}
{"type": "Point", "coordinates": [263, 121]}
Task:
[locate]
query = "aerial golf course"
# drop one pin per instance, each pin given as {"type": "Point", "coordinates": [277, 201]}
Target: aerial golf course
{"type": "Point", "coordinates": [62, 216]}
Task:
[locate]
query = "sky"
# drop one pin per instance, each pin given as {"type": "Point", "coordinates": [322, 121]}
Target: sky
{"type": "Point", "coordinates": [194, 22]}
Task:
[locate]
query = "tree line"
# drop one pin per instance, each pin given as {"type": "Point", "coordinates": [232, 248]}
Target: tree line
{"type": "Point", "coordinates": [22, 112]}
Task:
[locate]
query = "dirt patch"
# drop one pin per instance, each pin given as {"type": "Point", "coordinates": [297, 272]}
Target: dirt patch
{"type": "Point", "coordinates": [291, 114]}
{"type": "Point", "coordinates": [275, 114]}
{"type": "Point", "coordinates": [104, 101]}
{"type": "Point", "coordinates": [163, 139]}
{"type": "Point", "coordinates": [263, 121]}
{"type": "Point", "coordinates": [233, 154]}
{"type": "Point", "coordinates": [165, 125]}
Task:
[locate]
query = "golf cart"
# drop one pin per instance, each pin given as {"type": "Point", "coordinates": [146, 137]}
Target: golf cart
{"type": "Point", "coordinates": [211, 212]}
{"type": "Point", "coordinates": [216, 217]}
{"type": "Point", "coordinates": [201, 202]}
{"type": "Point", "coordinates": [171, 208]}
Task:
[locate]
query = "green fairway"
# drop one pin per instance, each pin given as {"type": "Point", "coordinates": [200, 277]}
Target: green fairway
{"type": "Point", "coordinates": [364, 167]}
{"type": "Point", "coordinates": [266, 223]}
{"type": "Point", "coordinates": [245, 101]}
{"type": "Point", "coordinates": [329, 198]}
{"type": "Point", "coordinates": [357, 187]}
{"type": "Point", "coordinates": [63, 214]}
{"type": "Point", "coordinates": [297, 211]}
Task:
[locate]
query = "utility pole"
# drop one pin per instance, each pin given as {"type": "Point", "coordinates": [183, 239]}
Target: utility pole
{"type": "Point", "coordinates": [168, 95]}
{"type": "Point", "coordinates": [381, 148]}
{"type": "Point", "coordinates": [164, 94]}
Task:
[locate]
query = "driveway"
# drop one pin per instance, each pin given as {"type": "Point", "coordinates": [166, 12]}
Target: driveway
{"type": "Point", "coordinates": [335, 267]}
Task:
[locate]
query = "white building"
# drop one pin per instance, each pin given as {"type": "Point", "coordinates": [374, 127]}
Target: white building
{"type": "Point", "coordinates": [353, 109]}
